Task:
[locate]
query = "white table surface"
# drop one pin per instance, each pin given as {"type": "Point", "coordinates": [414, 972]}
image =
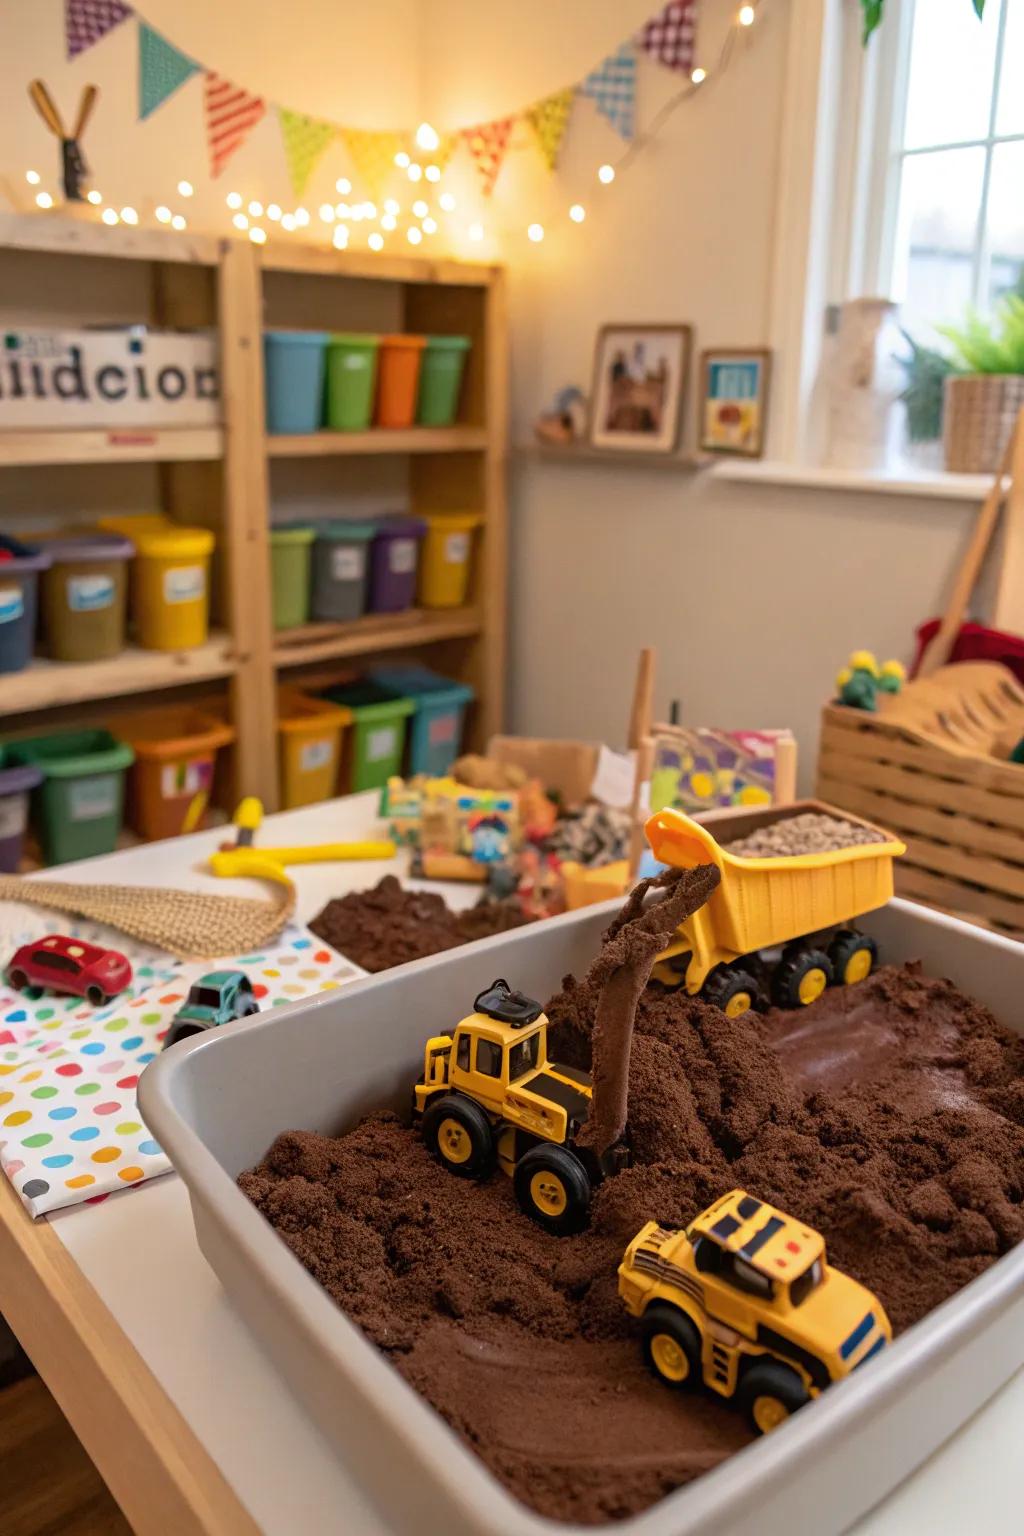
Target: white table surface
{"type": "Point", "coordinates": [139, 1252]}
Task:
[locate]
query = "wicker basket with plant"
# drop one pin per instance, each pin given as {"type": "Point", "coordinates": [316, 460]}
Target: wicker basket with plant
{"type": "Point", "coordinates": [985, 391]}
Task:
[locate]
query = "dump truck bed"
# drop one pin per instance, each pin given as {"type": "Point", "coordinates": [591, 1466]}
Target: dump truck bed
{"type": "Point", "coordinates": [763, 902]}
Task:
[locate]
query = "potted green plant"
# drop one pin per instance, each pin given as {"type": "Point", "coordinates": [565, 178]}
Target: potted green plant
{"type": "Point", "coordinates": [925, 373]}
{"type": "Point", "coordinates": [872, 12]}
{"type": "Point", "coordinates": [985, 390]}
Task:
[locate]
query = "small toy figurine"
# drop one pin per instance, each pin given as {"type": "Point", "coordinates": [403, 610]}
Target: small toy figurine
{"type": "Point", "coordinates": [862, 680]}
{"type": "Point", "coordinates": [745, 1301]}
{"type": "Point", "coordinates": [566, 421]}
{"type": "Point", "coordinates": [219, 997]}
{"type": "Point", "coordinates": [62, 964]}
{"type": "Point", "coordinates": [73, 167]}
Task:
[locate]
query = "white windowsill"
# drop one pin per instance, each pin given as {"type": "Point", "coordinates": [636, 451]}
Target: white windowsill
{"type": "Point", "coordinates": [909, 482]}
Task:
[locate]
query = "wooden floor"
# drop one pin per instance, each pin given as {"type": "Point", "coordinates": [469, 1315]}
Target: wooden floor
{"type": "Point", "coordinates": [48, 1485]}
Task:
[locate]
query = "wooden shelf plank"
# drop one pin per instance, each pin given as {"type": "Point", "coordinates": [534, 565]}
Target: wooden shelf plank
{"type": "Point", "coordinates": [378, 440]}
{"type": "Point", "coordinates": [86, 235]}
{"type": "Point", "coordinates": [579, 453]}
{"type": "Point", "coordinates": [45, 684]}
{"type": "Point", "coordinates": [325, 261]}
{"type": "Point", "coordinates": [140, 445]}
{"type": "Point", "coordinates": [375, 632]}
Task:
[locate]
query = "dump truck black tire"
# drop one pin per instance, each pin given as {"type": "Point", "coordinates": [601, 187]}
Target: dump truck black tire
{"type": "Point", "coordinates": [671, 1345]}
{"type": "Point", "coordinates": [853, 956]}
{"type": "Point", "coordinates": [800, 977]}
{"type": "Point", "coordinates": [553, 1189]}
{"type": "Point", "coordinates": [769, 1394]}
{"type": "Point", "coordinates": [459, 1135]}
{"type": "Point", "coordinates": [732, 989]}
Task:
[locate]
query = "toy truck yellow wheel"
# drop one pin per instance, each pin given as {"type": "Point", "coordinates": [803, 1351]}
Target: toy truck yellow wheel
{"type": "Point", "coordinates": [553, 1189]}
{"type": "Point", "coordinates": [853, 955]}
{"type": "Point", "coordinates": [800, 978]}
{"type": "Point", "coordinates": [732, 989]}
{"type": "Point", "coordinates": [458, 1133]}
{"type": "Point", "coordinates": [671, 1345]}
{"type": "Point", "coordinates": [769, 1394]}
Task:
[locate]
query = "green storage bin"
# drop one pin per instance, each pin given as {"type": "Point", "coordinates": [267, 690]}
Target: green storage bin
{"type": "Point", "coordinates": [78, 809]}
{"type": "Point", "coordinates": [291, 556]}
{"type": "Point", "coordinates": [351, 381]}
{"type": "Point", "coordinates": [374, 747]}
{"type": "Point", "coordinates": [444, 362]}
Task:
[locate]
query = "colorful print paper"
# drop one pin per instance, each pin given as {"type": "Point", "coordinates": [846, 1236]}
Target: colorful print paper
{"type": "Point", "coordinates": [696, 769]}
{"type": "Point", "coordinates": [70, 1128]}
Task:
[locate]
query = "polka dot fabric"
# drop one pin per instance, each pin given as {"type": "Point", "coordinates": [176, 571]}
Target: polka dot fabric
{"type": "Point", "coordinates": [70, 1128]}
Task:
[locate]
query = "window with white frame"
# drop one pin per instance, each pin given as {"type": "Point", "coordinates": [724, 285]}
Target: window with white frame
{"type": "Point", "coordinates": [943, 222]}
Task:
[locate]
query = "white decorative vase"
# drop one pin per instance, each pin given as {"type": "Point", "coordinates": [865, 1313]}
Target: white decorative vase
{"type": "Point", "coordinates": [864, 385]}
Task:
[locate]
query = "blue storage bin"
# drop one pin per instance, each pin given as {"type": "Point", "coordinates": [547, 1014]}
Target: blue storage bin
{"type": "Point", "coordinates": [435, 736]}
{"type": "Point", "coordinates": [20, 565]}
{"type": "Point", "coordinates": [293, 363]}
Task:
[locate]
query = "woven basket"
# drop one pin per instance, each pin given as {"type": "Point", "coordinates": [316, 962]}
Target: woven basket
{"type": "Point", "coordinates": [979, 415]}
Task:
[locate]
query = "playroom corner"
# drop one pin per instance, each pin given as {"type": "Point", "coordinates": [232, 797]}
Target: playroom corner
{"type": "Point", "coordinates": [511, 767]}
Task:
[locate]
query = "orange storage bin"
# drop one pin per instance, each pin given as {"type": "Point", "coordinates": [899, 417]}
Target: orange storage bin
{"type": "Point", "coordinates": [170, 782]}
{"type": "Point", "coordinates": [309, 732]}
{"type": "Point", "coordinates": [398, 379]}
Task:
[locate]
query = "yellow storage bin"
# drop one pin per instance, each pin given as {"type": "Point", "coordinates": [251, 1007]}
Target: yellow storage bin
{"type": "Point", "coordinates": [445, 558]}
{"type": "Point", "coordinates": [309, 731]}
{"type": "Point", "coordinates": [170, 584]}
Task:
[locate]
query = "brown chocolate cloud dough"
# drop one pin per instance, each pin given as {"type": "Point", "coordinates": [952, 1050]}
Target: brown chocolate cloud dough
{"type": "Point", "coordinates": [389, 925]}
{"type": "Point", "coordinates": [889, 1115]}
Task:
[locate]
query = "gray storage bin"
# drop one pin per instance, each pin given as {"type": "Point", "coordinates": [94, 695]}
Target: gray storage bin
{"type": "Point", "coordinates": [341, 563]}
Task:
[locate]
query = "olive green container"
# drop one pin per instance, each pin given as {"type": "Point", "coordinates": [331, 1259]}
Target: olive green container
{"type": "Point", "coordinates": [84, 595]}
{"type": "Point", "coordinates": [444, 363]}
{"type": "Point", "coordinates": [351, 381]}
{"type": "Point", "coordinates": [291, 555]}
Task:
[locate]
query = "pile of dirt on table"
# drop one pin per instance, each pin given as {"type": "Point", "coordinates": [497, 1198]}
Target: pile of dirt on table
{"type": "Point", "coordinates": [888, 1115]}
{"type": "Point", "coordinates": [388, 925]}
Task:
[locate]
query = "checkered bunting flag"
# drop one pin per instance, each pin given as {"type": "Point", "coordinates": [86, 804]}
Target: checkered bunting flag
{"type": "Point", "coordinates": [549, 119]}
{"type": "Point", "coordinates": [86, 21]}
{"type": "Point", "coordinates": [305, 139]}
{"type": "Point", "coordinates": [612, 89]}
{"type": "Point", "coordinates": [670, 36]}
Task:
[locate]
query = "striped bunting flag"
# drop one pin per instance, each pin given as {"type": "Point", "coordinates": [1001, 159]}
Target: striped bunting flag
{"type": "Point", "coordinates": [231, 115]}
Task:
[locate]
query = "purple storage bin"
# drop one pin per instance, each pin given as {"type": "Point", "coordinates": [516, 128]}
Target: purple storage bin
{"type": "Point", "coordinates": [394, 561]}
{"type": "Point", "coordinates": [16, 782]}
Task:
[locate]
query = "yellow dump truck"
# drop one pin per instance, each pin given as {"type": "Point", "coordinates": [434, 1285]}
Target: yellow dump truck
{"type": "Point", "coordinates": [745, 1301]}
{"type": "Point", "coordinates": [775, 928]}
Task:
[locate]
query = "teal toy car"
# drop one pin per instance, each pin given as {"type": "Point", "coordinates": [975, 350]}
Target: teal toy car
{"type": "Point", "coordinates": [216, 998]}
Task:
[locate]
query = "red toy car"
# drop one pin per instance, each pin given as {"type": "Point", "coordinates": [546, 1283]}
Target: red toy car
{"type": "Point", "coordinates": [70, 965]}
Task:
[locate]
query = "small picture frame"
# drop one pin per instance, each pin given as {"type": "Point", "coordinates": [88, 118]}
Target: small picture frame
{"type": "Point", "coordinates": [640, 374]}
{"type": "Point", "coordinates": [734, 400]}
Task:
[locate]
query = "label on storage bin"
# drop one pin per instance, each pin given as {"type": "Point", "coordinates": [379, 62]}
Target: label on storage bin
{"type": "Point", "coordinates": [13, 815]}
{"type": "Point", "coordinates": [456, 548]}
{"type": "Point", "coordinates": [12, 604]}
{"type": "Point", "coordinates": [381, 743]}
{"type": "Point", "coordinates": [185, 778]}
{"type": "Point", "coordinates": [355, 362]}
{"type": "Point", "coordinates": [441, 730]}
{"type": "Point", "coordinates": [88, 594]}
{"type": "Point", "coordinates": [89, 799]}
{"type": "Point", "coordinates": [315, 754]}
{"type": "Point", "coordinates": [184, 583]}
{"type": "Point", "coordinates": [348, 562]}
{"type": "Point", "coordinates": [403, 556]}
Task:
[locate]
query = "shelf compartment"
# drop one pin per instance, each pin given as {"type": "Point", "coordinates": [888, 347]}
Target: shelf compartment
{"type": "Point", "coordinates": [45, 684]}
{"type": "Point", "coordinates": [126, 445]}
{"type": "Point", "coordinates": [375, 632]}
{"type": "Point", "coordinates": [378, 440]}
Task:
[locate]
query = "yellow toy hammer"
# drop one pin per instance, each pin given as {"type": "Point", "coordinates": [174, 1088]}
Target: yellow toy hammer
{"type": "Point", "coordinates": [242, 858]}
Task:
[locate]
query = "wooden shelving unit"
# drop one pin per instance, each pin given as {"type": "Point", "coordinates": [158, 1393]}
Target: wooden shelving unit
{"type": "Point", "coordinates": [57, 272]}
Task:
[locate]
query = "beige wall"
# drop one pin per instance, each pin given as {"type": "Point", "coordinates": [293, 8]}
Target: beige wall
{"type": "Point", "coordinates": [753, 595]}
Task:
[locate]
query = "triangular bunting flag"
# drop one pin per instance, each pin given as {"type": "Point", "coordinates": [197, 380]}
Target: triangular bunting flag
{"type": "Point", "coordinates": [670, 36]}
{"type": "Point", "coordinates": [549, 119]}
{"type": "Point", "coordinates": [612, 89]}
{"type": "Point", "coordinates": [162, 69]}
{"type": "Point", "coordinates": [373, 155]}
{"type": "Point", "coordinates": [86, 21]}
{"type": "Point", "coordinates": [487, 144]}
{"type": "Point", "coordinates": [305, 139]}
{"type": "Point", "coordinates": [231, 115]}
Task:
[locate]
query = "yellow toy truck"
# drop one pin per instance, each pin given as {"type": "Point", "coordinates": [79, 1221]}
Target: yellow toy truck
{"type": "Point", "coordinates": [489, 1097]}
{"type": "Point", "coordinates": [745, 1301]}
{"type": "Point", "coordinates": [777, 928]}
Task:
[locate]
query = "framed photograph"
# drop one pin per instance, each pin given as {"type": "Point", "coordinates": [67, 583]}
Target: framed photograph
{"type": "Point", "coordinates": [640, 374]}
{"type": "Point", "coordinates": [734, 400]}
